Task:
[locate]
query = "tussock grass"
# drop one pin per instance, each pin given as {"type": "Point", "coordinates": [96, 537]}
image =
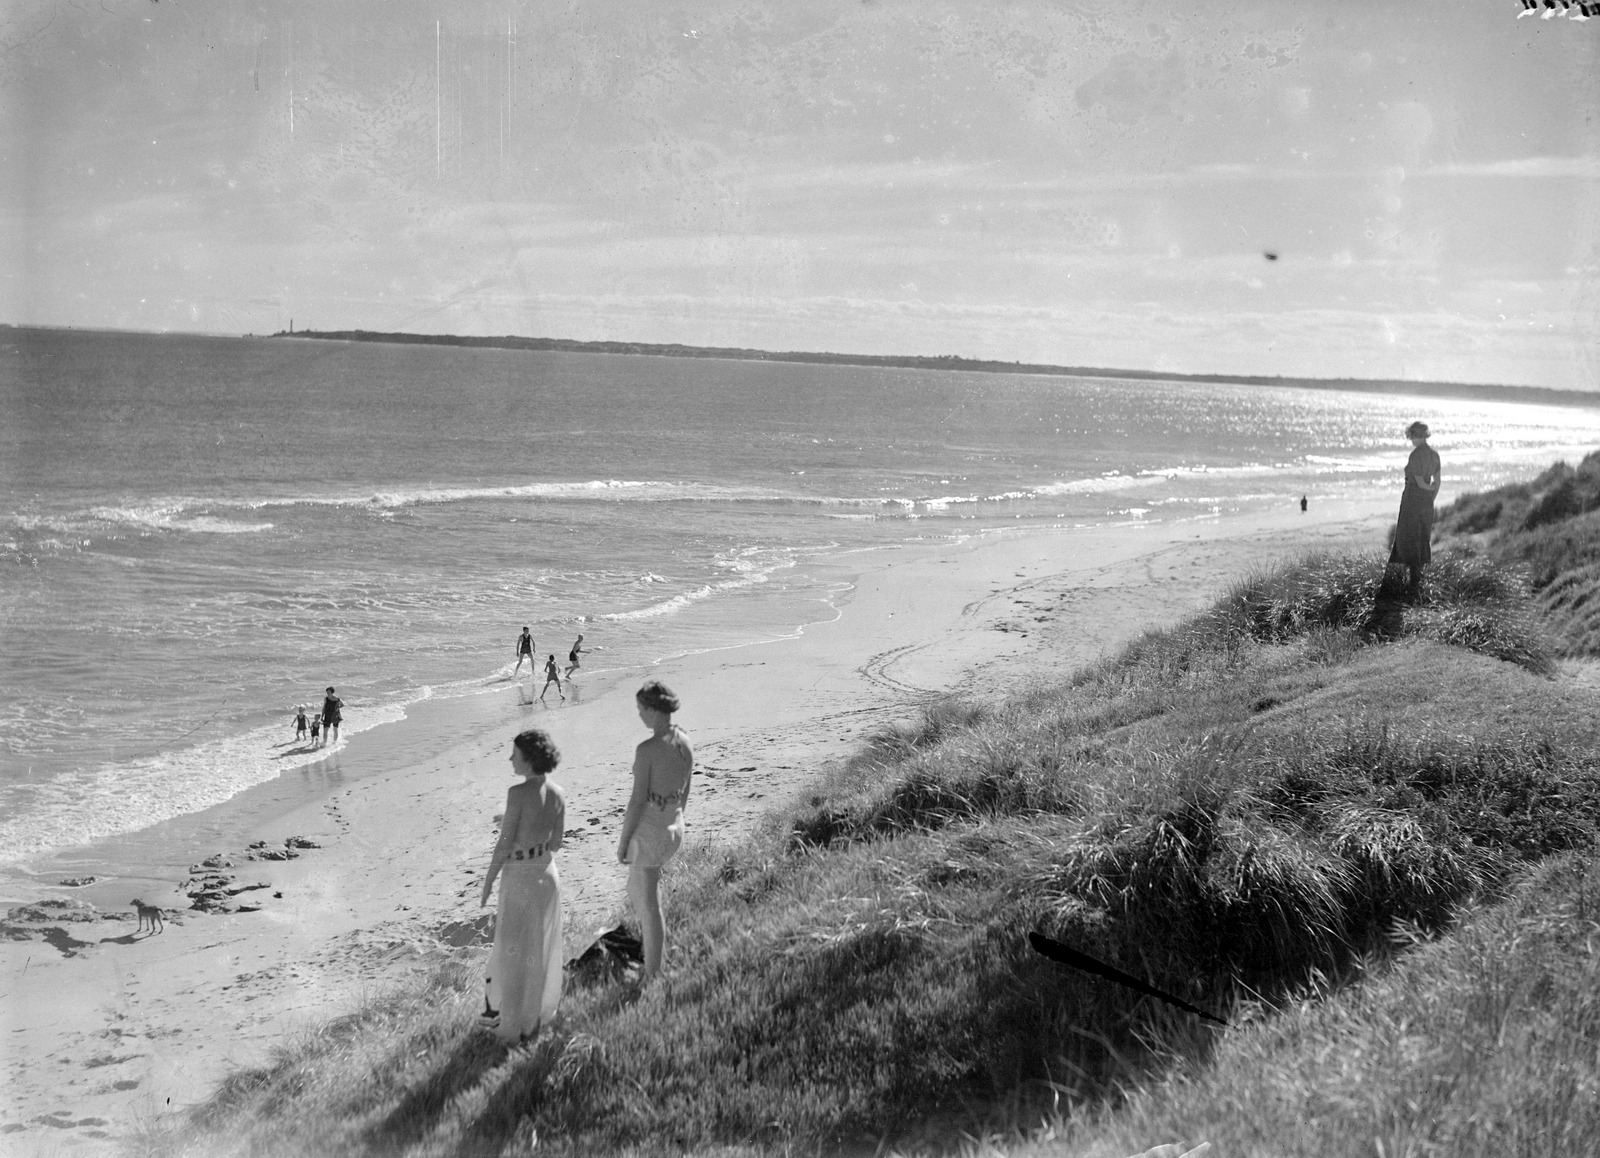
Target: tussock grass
{"type": "Point", "coordinates": [1571, 605]}
{"type": "Point", "coordinates": [1551, 551]}
{"type": "Point", "coordinates": [1478, 1045]}
{"type": "Point", "coordinates": [1559, 494]}
{"type": "Point", "coordinates": [1242, 810]}
{"type": "Point", "coordinates": [1331, 591]}
{"type": "Point", "coordinates": [1466, 600]}
{"type": "Point", "coordinates": [1549, 532]}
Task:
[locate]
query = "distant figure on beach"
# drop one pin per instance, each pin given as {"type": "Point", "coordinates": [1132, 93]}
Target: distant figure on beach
{"type": "Point", "coordinates": [1302, 504]}
{"type": "Point", "coordinates": [1413, 532]}
{"type": "Point", "coordinates": [652, 827]}
{"type": "Point", "coordinates": [316, 731]}
{"type": "Point", "coordinates": [572, 657]}
{"type": "Point", "coordinates": [525, 652]}
{"type": "Point", "coordinates": [523, 984]}
{"type": "Point", "coordinates": [551, 676]}
{"type": "Point", "coordinates": [332, 713]}
{"type": "Point", "coordinates": [300, 722]}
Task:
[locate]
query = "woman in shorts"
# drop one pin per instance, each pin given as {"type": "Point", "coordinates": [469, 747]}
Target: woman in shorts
{"type": "Point", "coordinates": [653, 826]}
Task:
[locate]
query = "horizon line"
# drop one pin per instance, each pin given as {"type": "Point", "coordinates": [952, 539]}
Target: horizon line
{"type": "Point", "coordinates": [948, 362]}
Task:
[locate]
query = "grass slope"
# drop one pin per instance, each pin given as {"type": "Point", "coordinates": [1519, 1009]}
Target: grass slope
{"type": "Point", "coordinates": [1244, 810]}
{"type": "Point", "coordinates": [1549, 530]}
{"type": "Point", "coordinates": [1480, 1043]}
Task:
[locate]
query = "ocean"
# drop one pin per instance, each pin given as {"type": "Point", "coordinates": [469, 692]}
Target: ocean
{"type": "Point", "coordinates": [198, 533]}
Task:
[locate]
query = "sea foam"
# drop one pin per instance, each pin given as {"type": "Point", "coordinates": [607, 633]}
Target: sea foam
{"type": "Point", "coordinates": [79, 807]}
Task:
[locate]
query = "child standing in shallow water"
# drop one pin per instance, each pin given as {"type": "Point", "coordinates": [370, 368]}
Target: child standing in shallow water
{"type": "Point", "coordinates": [551, 676]}
{"type": "Point", "coordinates": [523, 985]}
{"type": "Point", "coordinates": [653, 826]}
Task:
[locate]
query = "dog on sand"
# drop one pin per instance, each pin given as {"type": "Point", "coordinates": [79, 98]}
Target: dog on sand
{"type": "Point", "coordinates": [148, 914]}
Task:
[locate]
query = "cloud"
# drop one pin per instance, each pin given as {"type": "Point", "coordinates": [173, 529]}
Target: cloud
{"type": "Point", "coordinates": [1131, 87]}
{"type": "Point", "coordinates": [1018, 181]}
{"type": "Point", "coordinates": [1521, 167]}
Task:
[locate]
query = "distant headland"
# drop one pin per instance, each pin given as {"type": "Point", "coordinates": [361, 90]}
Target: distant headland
{"type": "Point", "coordinates": [1538, 394]}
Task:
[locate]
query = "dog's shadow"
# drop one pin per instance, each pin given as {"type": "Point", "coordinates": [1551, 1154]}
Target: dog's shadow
{"type": "Point", "coordinates": [63, 942]}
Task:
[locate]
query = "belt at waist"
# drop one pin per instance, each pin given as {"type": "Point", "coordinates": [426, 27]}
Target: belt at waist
{"type": "Point", "coordinates": [532, 852]}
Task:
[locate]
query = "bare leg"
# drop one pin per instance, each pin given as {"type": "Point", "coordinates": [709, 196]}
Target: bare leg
{"type": "Point", "coordinates": [644, 891]}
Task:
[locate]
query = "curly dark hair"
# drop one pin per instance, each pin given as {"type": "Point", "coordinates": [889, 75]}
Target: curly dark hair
{"type": "Point", "coordinates": [658, 697]}
{"type": "Point", "coordinates": [1417, 430]}
{"type": "Point", "coordinates": [539, 748]}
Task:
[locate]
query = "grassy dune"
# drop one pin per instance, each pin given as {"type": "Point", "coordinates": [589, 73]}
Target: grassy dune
{"type": "Point", "coordinates": [1478, 1043]}
{"type": "Point", "coordinates": [1279, 811]}
{"type": "Point", "coordinates": [1549, 529]}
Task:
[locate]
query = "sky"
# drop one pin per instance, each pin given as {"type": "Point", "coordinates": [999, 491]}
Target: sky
{"type": "Point", "coordinates": [1339, 188]}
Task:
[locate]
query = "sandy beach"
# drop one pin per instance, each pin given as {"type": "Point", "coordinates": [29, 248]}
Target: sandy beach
{"type": "Point", "coordinates": [106, 1027]}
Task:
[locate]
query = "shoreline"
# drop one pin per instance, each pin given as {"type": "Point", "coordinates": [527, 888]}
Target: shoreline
{"type": "Point", "coordinates": [1431, 388]}
{"type": "Point", "coordinates": [127, 1026]}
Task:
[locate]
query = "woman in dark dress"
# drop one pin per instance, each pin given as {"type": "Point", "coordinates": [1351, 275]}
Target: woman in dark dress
{"type": "Point", "coordinates": [1413, 532]}
{"type": "Point", "coordinates": [332, 713]}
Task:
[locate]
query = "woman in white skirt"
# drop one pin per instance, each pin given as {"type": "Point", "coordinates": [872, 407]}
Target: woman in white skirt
{"type": "Point", "coordinates": [523, 986]}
